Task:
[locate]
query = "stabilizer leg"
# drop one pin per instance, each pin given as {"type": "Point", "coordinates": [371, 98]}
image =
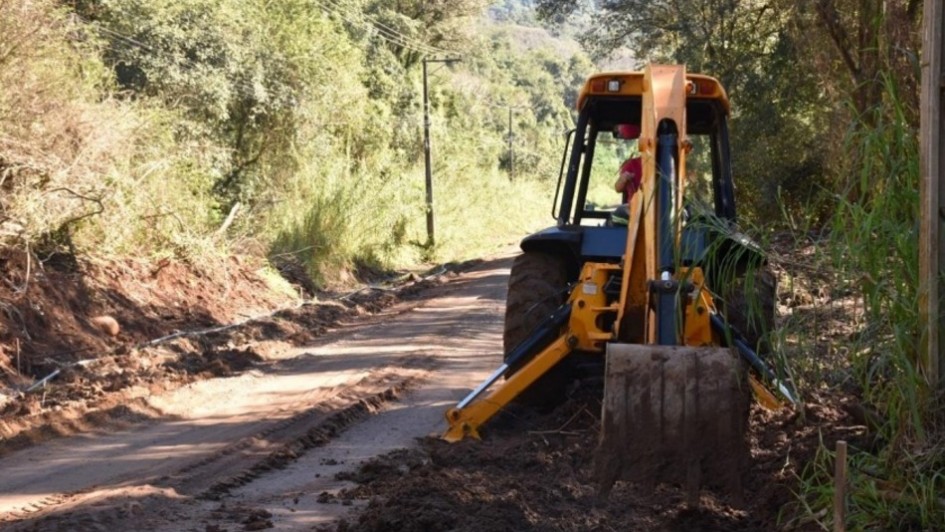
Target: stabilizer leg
{"type": "Point", "coordinates": [471, 413]}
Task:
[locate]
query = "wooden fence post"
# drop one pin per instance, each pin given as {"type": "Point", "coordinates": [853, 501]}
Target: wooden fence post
{"type": "Point", "coordinates": [932, 194]}
{"type": "Point", "coordinates": [840, 488]}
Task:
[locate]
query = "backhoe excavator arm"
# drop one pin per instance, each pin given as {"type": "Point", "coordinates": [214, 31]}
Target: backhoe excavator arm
{"type": "Point", "coordinates": [469, 415]}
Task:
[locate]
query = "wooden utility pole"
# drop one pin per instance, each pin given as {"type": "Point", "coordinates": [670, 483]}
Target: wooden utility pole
{"type": "Point", "coordinates": [840, 488]}
{"type": "Point", "coordinates": [932, 194]}
{"type": "Point", "coordinates": [511, 155]}
{"type": "Point", "coordinates": [427, 157]}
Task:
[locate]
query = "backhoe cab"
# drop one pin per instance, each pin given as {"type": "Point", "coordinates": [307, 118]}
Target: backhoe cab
{"type": "Point", "coordinates": [657, 298]}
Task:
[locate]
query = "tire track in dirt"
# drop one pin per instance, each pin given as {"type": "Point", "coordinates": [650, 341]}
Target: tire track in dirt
{"type": "Point", "coordinates": [234, 465]}
{"type": "Point", "coordinates": [363, 370]}
{"type": "Point", "coordinates": [315, 436]}
{"type": "Point", "coordinates": [109, 391]}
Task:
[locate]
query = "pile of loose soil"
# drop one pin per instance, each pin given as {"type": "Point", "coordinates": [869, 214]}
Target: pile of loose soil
{"type": "Point", "coordinates": [535, 473]}
{"type": "Point", "coordinates": [50, 308]}
{"type": "Point", "coordinates": [202, 318]}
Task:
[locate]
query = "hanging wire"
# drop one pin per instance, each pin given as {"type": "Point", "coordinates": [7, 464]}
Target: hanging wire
{"type": "Point", "coordinates": [249, 89]}
{"type": "Point", "coordinates": [244, 88]}
{"type": "Point", "coordinates": [383, 31]}
{"type": "Point", "coordinates": [383, 26]}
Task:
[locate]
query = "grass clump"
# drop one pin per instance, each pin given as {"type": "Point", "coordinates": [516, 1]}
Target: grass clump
{"type": "Point", "coordinates": [896, 481]}
{"type": "Point", "coordinates": [81, 168]}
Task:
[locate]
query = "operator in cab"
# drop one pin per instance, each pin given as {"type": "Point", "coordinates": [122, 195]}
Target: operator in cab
{"type": "Point", "coordinates": [628, 176]}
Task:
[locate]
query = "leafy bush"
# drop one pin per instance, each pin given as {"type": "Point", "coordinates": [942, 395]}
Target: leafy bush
{"type": "Point", "coordinates": [78, 167]}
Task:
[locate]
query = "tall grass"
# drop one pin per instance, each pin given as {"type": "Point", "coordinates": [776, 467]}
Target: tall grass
{"type": "Point", "coordinates": [874, 245]}
{"type": "Point", "coordinates": [479, 209]}
{"type": "Point", "coordinates": [48, 137]}
{"type": "Point", "coordinates": [368, 219]}
{"type": "Point", "coordinates": [158, 196]}
{"type": "Point", "coordinates": [136, 128]}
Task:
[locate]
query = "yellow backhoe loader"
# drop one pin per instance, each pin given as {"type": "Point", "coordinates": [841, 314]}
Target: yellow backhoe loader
{"type": "Point", "coordinates": [655, 292]}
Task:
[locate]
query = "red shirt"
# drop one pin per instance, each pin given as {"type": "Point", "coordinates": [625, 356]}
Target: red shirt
{"type": "Point", "coordinates": [633, 167]}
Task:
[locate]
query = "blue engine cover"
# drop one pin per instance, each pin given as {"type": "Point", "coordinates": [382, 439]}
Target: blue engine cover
{"type": "Point", "coordinates": [604, 242]}
{"type": "Point", "coordinates": [607, 244]}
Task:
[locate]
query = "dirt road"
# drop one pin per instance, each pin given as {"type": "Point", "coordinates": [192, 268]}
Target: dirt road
{"type": "Point", "coordinates": [332, 436]}
{"type": "Point", "coordinates": [262, 449]}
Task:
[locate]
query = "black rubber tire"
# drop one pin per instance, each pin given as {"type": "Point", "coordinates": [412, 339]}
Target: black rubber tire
{"type": "Point", "coordinates": [537, 286]}
{"type": "Point", "coordinates": [749, 304]}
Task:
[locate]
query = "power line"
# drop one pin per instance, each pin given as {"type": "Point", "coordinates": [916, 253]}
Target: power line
{"type": "Point", "coordinates": [387, 31]}
{"type": "Point", "coordinates": [379, 24]}
{"type": "Point", "coordinates": [124, 38]}
{"type": "Point", "coordinates": [244, 88]}
{"type": "Point", "coordinates": [249, 89]}
{"type": "Point", "coordinates": [382, 31]}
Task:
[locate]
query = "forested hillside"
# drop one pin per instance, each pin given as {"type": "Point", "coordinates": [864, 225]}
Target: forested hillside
{"type": "Point", "coordinates": [288, 128]}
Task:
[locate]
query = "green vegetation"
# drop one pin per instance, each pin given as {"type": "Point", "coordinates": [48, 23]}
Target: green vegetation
{"type": "Point", "coordinates": [294, 128]}
{"type": "Point", "coordinates": [874, 249]}
{"type": "Point", "coordinates": [825, 131]}
{"type": "Point", "coordinates": [276, 128]}
{"type": "Point", "coordinates": [781, 117]}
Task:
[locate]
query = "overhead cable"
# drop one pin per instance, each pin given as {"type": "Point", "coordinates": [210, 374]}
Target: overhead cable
{"type": "Point", "coordinates": [245, 88]}
{"type": "Point", "coordinates": [384, 32]}
{"type": "Point", "coordinates": [387, 31]}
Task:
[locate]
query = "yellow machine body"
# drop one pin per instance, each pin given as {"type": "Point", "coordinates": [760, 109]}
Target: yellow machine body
{"type": "Point", "coordinates": [668, 410]}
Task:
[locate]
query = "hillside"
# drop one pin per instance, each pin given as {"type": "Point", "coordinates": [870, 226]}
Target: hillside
{"type": "Point", "coordinates": [164, 163]}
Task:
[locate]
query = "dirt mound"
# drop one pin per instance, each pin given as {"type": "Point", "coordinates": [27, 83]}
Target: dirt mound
{"type": "Point", "coordinates": [49, 309]}
{"type": "Point", "coordinates": [176, 323]}
{"type": "Point", "coordinates": [535, 473]}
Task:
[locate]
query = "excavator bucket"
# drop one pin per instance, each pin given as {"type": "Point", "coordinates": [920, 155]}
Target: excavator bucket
{"type": "Point", "coordinates": [674, 414]}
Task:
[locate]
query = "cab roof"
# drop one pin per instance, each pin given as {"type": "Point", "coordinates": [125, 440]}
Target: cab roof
{"type": "Point", "coordinates": [631, 84]}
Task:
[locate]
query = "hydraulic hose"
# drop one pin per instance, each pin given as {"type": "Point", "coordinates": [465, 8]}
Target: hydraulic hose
{"type": "Point", "coordinates": [728, 332]}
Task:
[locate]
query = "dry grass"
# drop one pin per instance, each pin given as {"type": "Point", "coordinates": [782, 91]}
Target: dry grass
{"type": "Point", "coordinates": [56, 141]}
{"type": "Point", "coordinates": [90, 169]}
{"type": "Point", "coordinates": [78, 164]}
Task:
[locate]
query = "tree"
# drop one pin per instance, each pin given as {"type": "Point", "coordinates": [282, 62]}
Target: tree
{"type": "Point", "coordinates": [872, 37]}
{"type": "Point", "coordinates": [247, 74]}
